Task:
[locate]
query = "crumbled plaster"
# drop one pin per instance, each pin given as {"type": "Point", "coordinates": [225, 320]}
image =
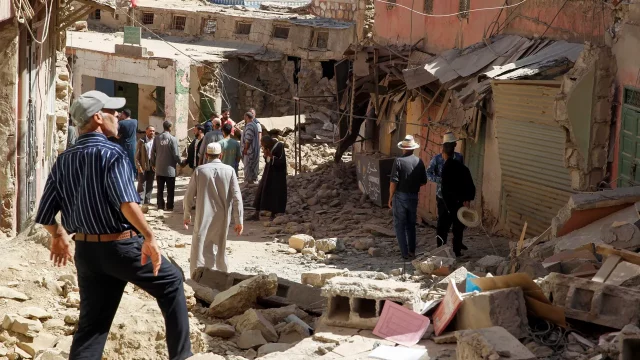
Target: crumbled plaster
{"type": "Point", "coordinates": [8, 112]}
{"type": "Point", "coordinates": [588, 168]}
{"type": "Point", "coordinates": [63, 98]}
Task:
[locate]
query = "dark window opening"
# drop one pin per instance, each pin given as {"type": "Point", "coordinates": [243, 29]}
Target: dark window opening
{"type": "Point", "coordinates": [243, 28]}
{"type": "Point", "coordinates": [280, 32]}
{"type": "Point", "coordinates": [147, 18]}
{"type": "Point", "coordinates": [391, 4]}
{"type": "Point", "coordinates": [96, 15]}
{"type": "Point", "coordinates": [320, 39]}
{"type": "Point", "coordinates": [296, 67]}
{"type": "Point", "coordinates": [210, 26]}
{"type": "Point", "coordinates": [179, 22]}
{"type": "Point", "coordinates": [328, 69]}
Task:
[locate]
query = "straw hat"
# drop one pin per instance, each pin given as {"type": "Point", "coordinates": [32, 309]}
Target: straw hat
{"type": "Point", "coordinates": [468, 217]}
{"type": "Point", "coordinates": [408, 143]}
{"type": "Point", "coordinates": [449, 138]}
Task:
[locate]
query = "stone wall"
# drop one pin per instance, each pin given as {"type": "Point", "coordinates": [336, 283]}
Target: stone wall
{"type": "Point", "coordinates": [271, 77]}
{"type": "Point", "coordinates": [63, 98]}
{"type": "Point", "coordinates": [337, 9]}
{"type": "Point", "coordinates": [583, 108]}
{"type": "Point", "coordinates": [8, 114]}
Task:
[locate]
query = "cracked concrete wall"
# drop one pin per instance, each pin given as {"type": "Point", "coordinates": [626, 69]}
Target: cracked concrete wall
{"type": "Point", "coordinates": [298, 42]}
{"type": "Point", "coordinates": [63, 98]}
{"type": "Point", "coordinates": [583, 108]}
{"type": "Point", "coordinates": [8, 116]}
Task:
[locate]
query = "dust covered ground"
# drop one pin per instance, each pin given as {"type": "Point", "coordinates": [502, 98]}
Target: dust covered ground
{"type": "Point", "coordinates": [324, 202]}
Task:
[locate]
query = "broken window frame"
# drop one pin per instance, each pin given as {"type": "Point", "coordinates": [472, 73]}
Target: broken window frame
{"type": "Point", "coordinates": [315, 37]}
{"type": "Point", "coordinates": [146, 16]}
{"type": "Point", "coordinates": [242, 25]}
{"type": "Point", "coordinates": [464, 7]}
{"type": "Point", "coordinates": [206, 26]}
{"type": "Point", "coordinates": [281, 28]}
{"type": "Point", "coordinates": [175, 24]}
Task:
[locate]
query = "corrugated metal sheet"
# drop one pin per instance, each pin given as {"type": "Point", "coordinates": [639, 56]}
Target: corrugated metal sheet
{"type": "Point", "coordinates": [531, 148]}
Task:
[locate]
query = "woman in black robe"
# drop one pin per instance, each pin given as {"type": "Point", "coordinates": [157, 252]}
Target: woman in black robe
{"type": "Point", "coordinates": [272, 190]}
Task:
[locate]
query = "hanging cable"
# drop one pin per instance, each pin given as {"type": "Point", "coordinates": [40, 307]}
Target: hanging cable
{"type": "Point", "coordinates": [454, 14]}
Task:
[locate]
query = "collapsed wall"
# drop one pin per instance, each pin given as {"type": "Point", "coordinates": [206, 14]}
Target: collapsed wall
{"type": "Point", "coordinates": [63, 98]}
{"type": "Point", "coordinates": [8, 111]}
{"type": "Point", "coordinates": [588, 127]}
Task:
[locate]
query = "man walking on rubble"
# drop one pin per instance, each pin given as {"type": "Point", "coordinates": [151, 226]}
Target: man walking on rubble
{"type": "Point", "coordinates": [146, 175]}
{"type": "Point", "coordinates": [251, 147]}
{"type": "Point", "coordinates": [91, 184]}
{"type": "Point", "coordinates": [212, 136]}
{"type": "Point", "coordinates": [164, 159]}
{"type": "Point", "coordinates": [214, 190]}
{"type": "Point", "coordinates": [407, 176]}
{"type": "Point", "coordinates": [447, 218]}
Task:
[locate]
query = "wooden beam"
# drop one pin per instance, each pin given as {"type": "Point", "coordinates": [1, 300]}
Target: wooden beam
{"type": "Point", "coordinates": [607, 268]}
{"type": "Point", "coordinates": [444, 105]}
{"type": "Point", "coordinates": [75, 16]}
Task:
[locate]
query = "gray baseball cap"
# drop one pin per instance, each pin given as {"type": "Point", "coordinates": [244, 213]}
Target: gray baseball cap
{"type": "Point", "coordinates": [91, 102]}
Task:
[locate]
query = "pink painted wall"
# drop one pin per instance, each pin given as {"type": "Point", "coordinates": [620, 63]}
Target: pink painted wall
{"type": "Point", "coordinates": [577, 21]}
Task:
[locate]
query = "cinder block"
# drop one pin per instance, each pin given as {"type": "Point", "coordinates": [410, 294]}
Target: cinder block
{"type": "Point", "coordinates": [505, 308]}
{"type": "Point", "coordinates": [358, 303]}
{"type": "Point", "coordinates": [288, 292]}
{"type": "Point", "coordinates": [490, 343]}
{"type": "Point", "coordinates": [318, 277]}
{"type": "Point", "coordinates": [594, 302]}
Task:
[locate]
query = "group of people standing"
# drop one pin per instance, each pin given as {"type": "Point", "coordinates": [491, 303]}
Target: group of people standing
{"type": "Point", "coordinates": [454, 190]}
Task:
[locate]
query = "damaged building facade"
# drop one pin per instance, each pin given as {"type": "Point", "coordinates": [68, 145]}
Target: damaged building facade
{"type": "Point", "coordinates": [34, 104]}
{"type": "Point", "coordinates": [528, 90]}
{"type": "Point", "coordinates": [237, 58]}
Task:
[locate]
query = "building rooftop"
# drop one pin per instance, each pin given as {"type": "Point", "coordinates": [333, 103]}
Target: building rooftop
{"type": "Point", "coordinates": [198, 50]}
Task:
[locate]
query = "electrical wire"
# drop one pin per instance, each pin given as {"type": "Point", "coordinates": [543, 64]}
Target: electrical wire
{"type": "Point", "coordinates": [454, 14]}
{"type": "Point", "coordinates": [221, 70]}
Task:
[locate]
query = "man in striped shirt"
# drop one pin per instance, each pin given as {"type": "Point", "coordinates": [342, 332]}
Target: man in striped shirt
{"type": "Point", "coordinates": [91, 184]}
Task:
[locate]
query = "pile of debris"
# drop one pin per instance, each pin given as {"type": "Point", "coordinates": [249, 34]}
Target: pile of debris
{"type": "Point", "coordinates": [570, 293]}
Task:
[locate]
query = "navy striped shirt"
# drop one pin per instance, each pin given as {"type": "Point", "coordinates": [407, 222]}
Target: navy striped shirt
{"type": "Point", "coordinates": [88, 183]}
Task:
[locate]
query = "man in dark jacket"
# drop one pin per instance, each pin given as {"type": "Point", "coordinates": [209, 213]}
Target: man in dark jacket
{"type": "Point", "coordinates": [272, 190]}
{"type": "Point", "coordinates": [127, 130]}
{"type": "Point", "coordinates": [146, 175]}
{"type": "Point", "coordinates": [193, 151]}
{"type": "Point", "coordinates": [408, 174]}
{"type": "Point", "coordinates": [458, 190]}
{"type": "Point", "coordinates": [212, 136]}
{"type": "Point", "coordinates": [164, 159]}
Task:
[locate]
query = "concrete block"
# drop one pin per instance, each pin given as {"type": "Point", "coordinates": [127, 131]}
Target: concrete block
{"type": "Point", "coordinates": [251, 339]}
{"type": "Point", "coordinates": [131, 50]}
{"type": "Point", "coordinates": [490, 263]}
{"type": "Point", "coordinates": [358, 303]}
{"type": "Point", "coordinates": [575, 214]}
{"type": "Point", "coordinates": [591, 301]}
{"type": "Point", "coordinates": [459, 277]}
{"type": "Point", "coordinates": [243, 296]}
{"type": "Point", "coordinates": [432, 263]}
{"type": "Point", "coordinates": [319, 277]}
{"type": "Point", "coordinates": [253, 320]}
{"type": "Point", "coordinates": [625, 274]}
{"type": "Point", "coordinates": [287, 292]}
{"type": "Point", "coordinates": [505, 308]}
{"type": "Point", "coordinates": [490, 343]}
{"type": "Point", "coordinates": [301, 241]}
{"type": "Point", "coordinates": [330, 245]}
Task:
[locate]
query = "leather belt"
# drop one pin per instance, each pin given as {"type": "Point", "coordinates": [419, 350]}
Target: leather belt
{"type": "Point", "coordinates": [105, 237]}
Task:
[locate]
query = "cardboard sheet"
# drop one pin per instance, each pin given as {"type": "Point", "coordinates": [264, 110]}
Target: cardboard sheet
{"type": "Point", "coordinates": [385, 352]}
{"type": "Point", "coordinates": [400, 325]}
{"type": "Point", "coordinates": [447, 308]}
{"type": "Point", "coordinates": [537, 303]}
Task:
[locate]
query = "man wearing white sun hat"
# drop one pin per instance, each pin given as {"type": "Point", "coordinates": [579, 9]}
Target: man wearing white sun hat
{"type": "Point", "coordinates": [447, 218]}
{"type": "Point", "coordinates": [407, 176]}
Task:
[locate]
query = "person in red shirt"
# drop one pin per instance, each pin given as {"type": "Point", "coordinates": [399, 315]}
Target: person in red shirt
{"type": "Point", "coordinates": [226, 119]}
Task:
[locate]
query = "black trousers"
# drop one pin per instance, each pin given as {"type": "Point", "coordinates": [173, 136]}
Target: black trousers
{"type": "Point", "coordinates": [171, 187]}
{"type": "Point", "coordinates": [447, 218]}
{"type": "Point", "coordinates": [145, 185]}
{"type": "Point", "coordinates": [104, 269]}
